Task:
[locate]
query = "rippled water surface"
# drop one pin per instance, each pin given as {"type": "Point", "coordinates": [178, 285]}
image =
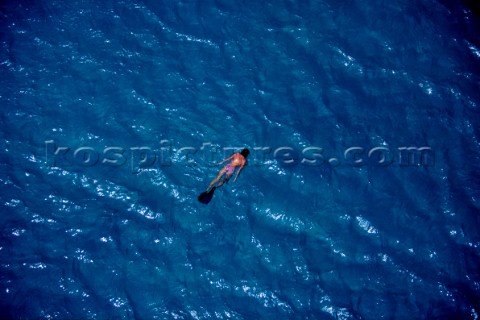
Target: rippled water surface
{"type": "Point", "coordinates": [389, 240]}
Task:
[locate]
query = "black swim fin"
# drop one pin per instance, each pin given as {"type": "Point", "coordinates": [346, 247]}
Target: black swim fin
{"type": "Point", "coordinates": [205, 197]}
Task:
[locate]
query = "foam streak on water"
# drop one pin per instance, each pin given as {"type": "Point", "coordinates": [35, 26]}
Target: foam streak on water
{"type": "Point", "coordinates": [286, 242]}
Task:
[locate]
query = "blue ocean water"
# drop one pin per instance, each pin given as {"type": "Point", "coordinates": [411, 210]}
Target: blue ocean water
{"type": "Point", "coordinates": [84, 239]}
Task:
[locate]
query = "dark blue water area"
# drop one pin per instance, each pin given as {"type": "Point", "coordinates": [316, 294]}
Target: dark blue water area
{"type": "Point", "coordinates": [364, 233]}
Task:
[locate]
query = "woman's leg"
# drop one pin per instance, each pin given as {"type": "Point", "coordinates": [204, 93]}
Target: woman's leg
{"type": "Point", "coordinates": [225, 179]}
{"type": "Point", "coordinates": [220, 174]}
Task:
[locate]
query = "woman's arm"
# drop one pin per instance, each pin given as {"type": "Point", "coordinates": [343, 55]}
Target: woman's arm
{"type": "Point", "coordinates": [229, 158]}
{"type": "Point", "coordinates": [238, 172]}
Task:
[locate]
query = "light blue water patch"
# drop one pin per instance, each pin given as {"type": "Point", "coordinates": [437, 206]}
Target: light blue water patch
{"type": "Point", "coordinates": [392, 237]}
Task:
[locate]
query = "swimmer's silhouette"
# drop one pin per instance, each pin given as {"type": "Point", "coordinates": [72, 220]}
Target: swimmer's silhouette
{"type": "Point", "coordinates": [239, 160]}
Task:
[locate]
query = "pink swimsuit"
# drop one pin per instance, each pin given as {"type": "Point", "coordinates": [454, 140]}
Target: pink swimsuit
{"type": "Point", "coordinates": [229, 170]}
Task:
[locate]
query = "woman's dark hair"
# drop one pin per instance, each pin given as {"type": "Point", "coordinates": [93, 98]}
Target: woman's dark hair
{"type": "Point", "coordinates": [245, 152]}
